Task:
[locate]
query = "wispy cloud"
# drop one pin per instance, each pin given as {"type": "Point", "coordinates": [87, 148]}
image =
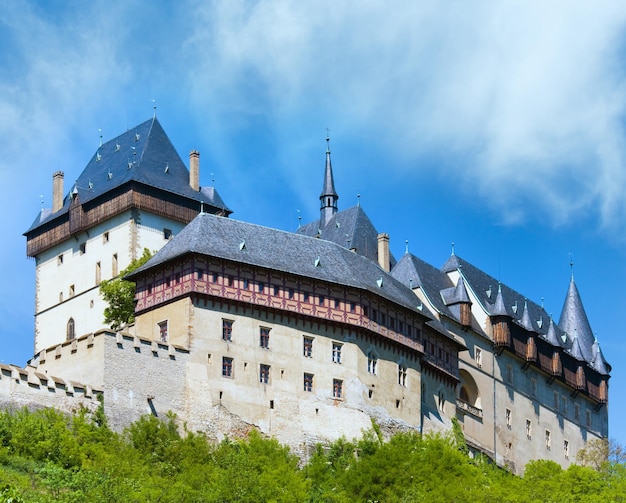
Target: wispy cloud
{"type": "Point", "coordinates": [523, 101]}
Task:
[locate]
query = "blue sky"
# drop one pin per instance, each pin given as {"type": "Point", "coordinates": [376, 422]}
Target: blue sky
{"type": "Point", "coordinates": [496, 126]}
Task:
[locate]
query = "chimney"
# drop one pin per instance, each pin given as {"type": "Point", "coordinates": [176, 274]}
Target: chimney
{"type": "Point", "coordinates": [57, 191]}
{"type": "Point", "coordinates": [383, 251]}
{"type": "Point", "coordinates": [194, 169]}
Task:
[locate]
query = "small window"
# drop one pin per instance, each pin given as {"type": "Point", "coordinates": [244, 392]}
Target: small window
{"type": "Point", "coordinates": [305, 296]}
{"type": "Point", "coordinates": [529, 429]}
{"type": "Point", "coordinates": [60, 296]}
{"type": "Point", "coordinates": [372, 362]}
{"type": "Point", "coordinates": [214, 277]}
{"type": "Point", "coordinates": [508, 418]}
{"type": "Point", "coordinates": [548, 440]}
{"type": "Point", "coordinates": [227, 330]}
{"type": "Point", "coordinates": [261, 287]}
{"type": "Point", "coordinates": [353, 308]}
{"type": "Point", "coordinates": [321, 300]}
{"type": "Point", "coordinates": [163, 331]}
{"type": "Point", "coordinates": [114, 264]}
{"type": "Point", "coordinates": [402, 375]}
{"type": "Point", "coordinates": [566, 449]}
{"type": "Point", "coordinates": [60, 259]}
{"type": "Point", "coordinates": [307, 347]}
{"type": "Point", "coordinates": [98, 273]}
{"type": "Point", "coordinates": [264, 373]}
{"type": "Point", "coordinates": [383, 319]}
{"type": "Point", "coordinates": [441, 401]}
{"type": "Point", "coordinates": [227, 367]}
{"type": "Point", "coordinates": [276, 290]}
{"type": "Point", "coordinates": [337, 388]}
{"type": "Point", "coordinates": [246, 283]}
{"type": "Point", "coordinates": [564, 405]}
{"type": "Point", "coordinates": [478, 357]}
{"type": "Point", "coordinates": [71, 330]}
{"type": "Point", "coordinates": [177, 277]}
{"type": "Point", "coordinates": [264, 338]}
{"type": "Point", "coordinates": [231, 280]}
{"type": "Point", "coordinates": [83, 248]}
{"type": "Point", "coordinates": [337, 352]}
{"type": "Point", "coordinates": [392, 323]}
{"type": "Point", "coordinates": [167, 234]}
{"type": "Point", "coordinates": [71, 290]}
{"type": "Point", "coordinates": [168, 282]}
{"type": "Point", "coordinates": [105, 237]}
{"type": "Point", "coordinates": [308, 383]}
{"type": "Point", "coordinates": [337, 303]}
{"type": "Point", "coordinates": [200, 274]}
{"type": "Point", "coordinates": [576, 412]}
{"type": "Point", "coordinates": [290, 293]}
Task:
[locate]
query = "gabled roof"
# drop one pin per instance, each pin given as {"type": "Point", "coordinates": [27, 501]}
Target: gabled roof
{"type": "Point", "coordinates": [143, 154]}
{"type": "Point", "coordinates": [273, 249]}
{"type": "Point", "coordinates": [574, 321]}
{"type": "Point", "coordinates": [351, 229]}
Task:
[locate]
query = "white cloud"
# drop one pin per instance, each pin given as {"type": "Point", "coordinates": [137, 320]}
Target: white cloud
{"type": "Point", "coordinates": [524, 99]}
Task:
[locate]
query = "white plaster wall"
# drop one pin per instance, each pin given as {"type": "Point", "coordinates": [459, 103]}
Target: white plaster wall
{"type": "Point", "coordinates": [86, 307]}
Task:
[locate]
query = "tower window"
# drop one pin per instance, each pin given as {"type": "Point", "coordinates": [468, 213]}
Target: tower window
{"type": "Point", "coordinates": [71, 290]}
{"type": "Point", "coordinates": [163, 331]}
{"type": "Point", "coordinates": [308, 383]}
{"type": "Point", "coordinates": [227, 367]}
{"type": "Point", "coordinates": [372, 362]}
{"type": "Point", "coordinates": [105, 237]}
{"type": "Point", "coordinates": [337, 388]}
{"type": "Point", "coordinates": [98, 273]}
{"type": "Point", "coordinates": [83, 248]}
{"type": "Point", "coordinates": [264, 374]}
{"type": "Point", "coordinates": [307, 347]}
{"type": "Point", "coordinates": [60, 259]}
{"type": "Point", "coordinates": [337, 352]}
{"type": "Point", "coordinates": [402, 375]}
{"type": "Point", "coordinates": [264, 338]}
{"type": "Point", "coordinates": [114, 265]}
{"type": "Point", "coordinates": [167, 234]}
{"type": "Point", "coordinates": [71, 330]}
{"type": "Point", "coordinates": [227, 330]}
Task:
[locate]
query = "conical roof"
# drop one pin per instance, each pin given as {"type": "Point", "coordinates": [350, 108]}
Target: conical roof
{"type": "Point", "coordinates": [598, 362]}
{"type": "Point", "coordinates": [574, 321]}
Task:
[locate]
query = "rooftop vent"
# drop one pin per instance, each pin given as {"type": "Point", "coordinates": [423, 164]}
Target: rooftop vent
{"type": "Point", "coordinates": [167, 168]}
{"type": "Point", "coordinates": [98, 156]}
{"type": "Point", "coordinates": [137, 136]}
{"type": "Point", "coordinates": [109, 175]}
{"type": "Point", "coordinates": [117, 147]}
{"type": "Point", "coordinates": [379, 282]}
{"type": "Point", "coordinates": [318, 262]}
{"type": "Point", "coordinates": [242, 245]}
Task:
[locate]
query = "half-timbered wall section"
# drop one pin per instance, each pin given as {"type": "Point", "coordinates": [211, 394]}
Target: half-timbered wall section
{"type": "Point", "coordinates": [86, 216]}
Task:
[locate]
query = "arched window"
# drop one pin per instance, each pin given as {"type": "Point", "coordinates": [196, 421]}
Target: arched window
{"type": "Point", "coordinates": [71, 330]}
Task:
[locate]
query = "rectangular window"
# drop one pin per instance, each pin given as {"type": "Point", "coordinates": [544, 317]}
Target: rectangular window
{"type": "Point", "coordinates": [59, 259]}
{"type": "Point", "coordinates": [372, 362]}
{"type": "Point", "coordinates": [276, 290]}
{"type": "Point", "coordinates": [548, 440]}
{"type": "Point", "coordinates": [83, 248]}
{"type": "Point", "coordinates": [401, 327]}
{"type": "Point", "coordinates": [261, 287]}
{"type": "Point", "coordinates": [200, 274]}
{"type": "Point", "coordinates": [264, 373]}
{"type": "Point", "coordinates": [227, 330]}
{"type": "Point", "coordinates": [508, 418]}
{"type": "Point", "coordinates": [529, 429]}
{"type": "Point", "coordinates": [383, 319]}
{"type": "Point", "coordinates": [98, 273]}
{"type": "Point", "coordinates": [478, 357]}
{"type": "Point", "coordinates": [402, 375]}
{"type": "Point", "coordinates": [337, 303]}
{"type": "Point", "coordinates": [114, 265]}
{"type": "Point", "coordinates": [231, 281]}
{"type": "Point", "coordinates": [214, 277]}
{"type": "Point", "coordinates": [307, 347]}
{"type": "Point", "coordinates": [71, 290]}
{"type": "Point", "coordinates": [163, 331]}
{"type": "Point", "coordinates": [564, 405]}
{"type": "Point", "coordinates": [305, 296]}
{"type": "Point", "coordinates": [308, 383]}
{"type": "Point", "coordinates": [392, 323]}
{"type": "Point", "coordinates": [246, 283]}
{"type": "Point", "coordinates": [337, 352]}
{"type": "Point", "coordinates": [290, 293]}
{"type": "Point", "coordinates": [566, 449]}
{"type": "Point", "coordinates": [105, 237]}
{"type": "Point", "coordinates": [353, 308]}
{"type": "Point", "coordinates": [227, 367]}
{"type": "Point", "coordinates": [264, 338]}
{"type": "Point", "coordinates": [337, 388]}
{"type": "Point", "coordinates": [576, 412]}
{"type": "Point", "coordinates": [321, 300]}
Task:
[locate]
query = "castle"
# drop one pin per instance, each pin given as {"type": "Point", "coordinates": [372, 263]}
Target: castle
{"type": "Point", "coordinates": [307, 336]}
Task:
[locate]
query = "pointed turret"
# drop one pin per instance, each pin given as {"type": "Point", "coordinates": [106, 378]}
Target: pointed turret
{"type": "Point", "coordinates": [598, 362]}
{"type": "Point", "coordinates": [525, 321]}
{"type": "Point", "coordinates": [328, 197]}
{"type": "Point", "coordinates": [499, 309]}
{"type": "Point", "coordinates": [574, 321]}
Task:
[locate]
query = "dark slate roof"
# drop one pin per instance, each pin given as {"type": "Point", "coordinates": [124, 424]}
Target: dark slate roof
{"type": "Point", "coordinates": [349, 228]}
{"type": "Point", "coordinates": [440, 291]}
{"type": "Point", "coordinates": [574, 321]}
{"type": "Point", "coordinates": [498, 299]}
{"type": "Point", "coordinates": [273, 249]}
{"type": "Point", "coordinates": [143, 154]}
{"type": "Point", "coordinates": [598, 362]}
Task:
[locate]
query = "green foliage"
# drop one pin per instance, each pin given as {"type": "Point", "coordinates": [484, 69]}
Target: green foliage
{"type": "Point", "coordinates": [47, 456]}
{"type": "Point", "coordinates": [120, 295]}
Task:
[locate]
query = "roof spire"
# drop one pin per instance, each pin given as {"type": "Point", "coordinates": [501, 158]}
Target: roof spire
{"type": "Point", "coordinates": [571, 266]}
{"type": "Point", "coordinates": [154, 109]}
{"type": "Point", "coordinates": [328, 197]}
{"type": "Point", "coordinates": [574, 321]}
{"type": "Point", "coordinates": [452, 247]}
{"type": "Point", "coordinates": [406, 243]}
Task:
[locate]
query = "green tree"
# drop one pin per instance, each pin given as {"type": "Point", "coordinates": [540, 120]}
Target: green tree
{"type": "Point", "coordinates": [120, 295]}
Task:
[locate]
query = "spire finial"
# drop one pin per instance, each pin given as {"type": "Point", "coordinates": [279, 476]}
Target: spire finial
{"type": "Point", "coordinates": [358, 199]}
{"type": "Point", "coordinates": [41, 197]}
{"type": "Point", "coordinates": [100, 131]}
{"type": "Point", "coordinates": [299, 219]}
{"type": "Point", "coordinates": [571, 265]}
{"type": "Point", "coordinates": [154, 109]}
{"type": "Point", "coordinates": [406, 242]}
{"type": "Point", "coordinates": [202, 207]}
{"type": "Point", "coordinates": [327, 141]}
{"type": "Point", "coordinates": [452, 248]}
